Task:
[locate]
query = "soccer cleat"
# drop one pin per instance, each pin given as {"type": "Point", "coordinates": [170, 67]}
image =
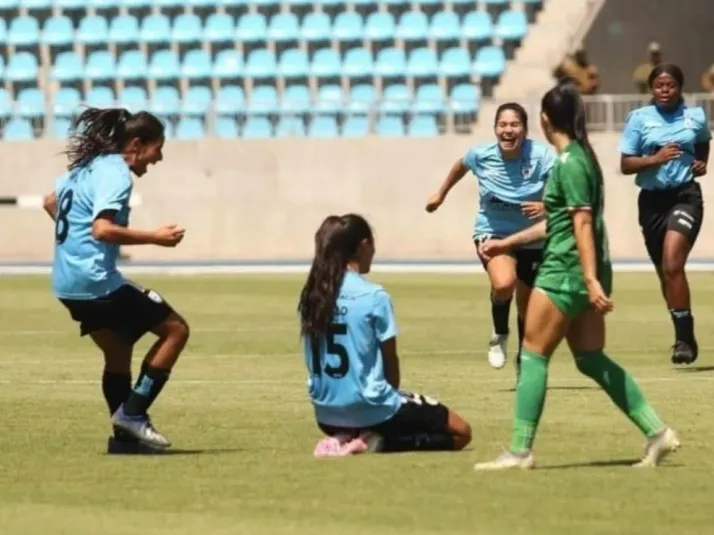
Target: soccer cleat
{"type": "Point", "coordinates": [140, 427]}
{"type": "Point", "coordinates": [497, 350]}
{"type": "Point", "coordinates": [116, 446]}
{"type": "Point", "coordinates": [684, 352]}
{"type": "Point", "coordinates": [658, 447]}
{"type": "Point", "coordinates": [507, 460]}
{"type": "Point", "coordinates": [343, 445]}
{"type": "Point", "coordinates": [374, 443]}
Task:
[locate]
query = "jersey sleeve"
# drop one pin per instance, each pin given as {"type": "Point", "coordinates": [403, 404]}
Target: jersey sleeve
{"type": "Point", "coordinates": [631, 141]}
{"type": "Point", "coordinates": [547, 162]}
{"type": "Point", "coordinates": [470, 159]}
{"type": "Point", "coordinates": [385, 324]}
{"type": "Point", "coordinates": [576, 184]}
{"type": "Point", "coordinates": [112, 190]}
{"type": "Point", "coordinates": [704, 135]}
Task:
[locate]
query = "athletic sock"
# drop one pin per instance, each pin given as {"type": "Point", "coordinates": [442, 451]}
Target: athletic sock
{"type": "Point", "coordinates": [530, 400]}
{"type": "Point", "coordinates": [521, 334]}
{"type": "Point", "coordinates": [418, 442]}
{"type": "Point", "coordinates": [683, 322]}
{"type": "Point", "coordinates": [500, 311]}
{"type": "Point", "coordinates": [148, 386]}
{"type": "Point", "coordinates": [116, 388]}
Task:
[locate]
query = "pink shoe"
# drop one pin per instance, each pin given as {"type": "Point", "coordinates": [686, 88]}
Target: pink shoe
{"type": "Point", "coordinates": [328, 447]}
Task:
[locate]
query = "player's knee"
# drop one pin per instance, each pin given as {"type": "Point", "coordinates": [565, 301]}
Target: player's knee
{"type": "Point", "coordinates": [504, 286]}
{"type": "Point", "coordinates": [178, 330]}
{"type": "Point", "coordinates": [463, 439]}
{"type": "Point", "coordinates": [672, 267]}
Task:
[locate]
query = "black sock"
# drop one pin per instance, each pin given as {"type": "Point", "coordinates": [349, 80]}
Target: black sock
{"type": "Point", "coordinates": [521, 334]}
{"type": "Point", "coordinates": [683, 324]}
{"type": "Point", "coordinates": [116, 388]}
{"type": "Point", "coordinates": [500, 311]}
{"type": "Point", "coordinates": [418, 442]}
{"type": "Point", "coordinates": [148, 386]}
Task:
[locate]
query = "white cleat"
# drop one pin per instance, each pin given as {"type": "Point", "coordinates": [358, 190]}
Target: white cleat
{"type": "Point", "coordinates": [497, 350]}
{"type": "Point", "coordinates": [508, 460]}
{"type": "Point", "coordinates": [658, 447]}
{"type": "Point", "coordinates": [140, 428]}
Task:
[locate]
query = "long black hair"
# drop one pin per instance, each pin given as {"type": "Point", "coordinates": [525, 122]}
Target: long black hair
{"type": "Point", "coordinates": [336, 243]}
{"type": "Point", "coordinates": [515, 108]}
{"type": "Point", "coordinates": [106, 131]}
{"type": "Point", "coordinates": [674, 71]}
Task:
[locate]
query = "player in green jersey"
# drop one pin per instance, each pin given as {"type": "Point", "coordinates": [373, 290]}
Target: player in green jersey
{"type": "Point", "coordinates": [572, 289]}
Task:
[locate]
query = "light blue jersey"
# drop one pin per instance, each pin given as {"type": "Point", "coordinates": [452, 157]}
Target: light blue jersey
{"type": "Point", "coordinates": [505, 184]}
{"type": "Point", "coordinates": [86, 268]}
{"type": "Point", "coordinates": [347, 384]}
{"type": "Point", "coordinates": [648, 129]}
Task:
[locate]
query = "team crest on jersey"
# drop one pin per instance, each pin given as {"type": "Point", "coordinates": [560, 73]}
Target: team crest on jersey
{"type": "Point", "coordinates": [688, 122]}
{"type": "Point", "coordinates": [156, 298]}
{"type": "Point", "coordinates": [527, 170]}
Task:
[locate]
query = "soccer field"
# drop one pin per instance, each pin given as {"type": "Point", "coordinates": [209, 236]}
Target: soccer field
{"type": "Point", "coordinates": [237, 413]}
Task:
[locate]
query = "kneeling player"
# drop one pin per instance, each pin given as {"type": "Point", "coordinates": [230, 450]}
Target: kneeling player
{"type": "Point", "coordinates": [349, 338]}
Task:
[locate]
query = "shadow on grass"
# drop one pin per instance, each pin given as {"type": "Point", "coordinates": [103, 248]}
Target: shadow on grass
{"type": "Point", "coordinates": [692, 369]}
{"type": "Point", "coordinates": [178, 451]}
{"type": "Point", "coordinates": [556, 388]}
{"type": "Point", "coordinates": [601, 464]}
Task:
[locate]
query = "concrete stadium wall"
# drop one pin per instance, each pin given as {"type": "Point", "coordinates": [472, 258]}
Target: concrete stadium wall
{"type": "Point", "coordinates": [262, 200]}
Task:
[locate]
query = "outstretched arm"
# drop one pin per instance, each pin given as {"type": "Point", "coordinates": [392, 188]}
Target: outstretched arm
{"type": "Point", "coordinates": [456, 173]}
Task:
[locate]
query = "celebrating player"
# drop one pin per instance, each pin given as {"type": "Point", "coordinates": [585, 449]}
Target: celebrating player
{"type": "Point", "coordinates": [350, 345]}
{"type": "Point", "coordinates": [90, 207]}
{"type": "Point", "coordinates": [511, 174]}
{"type": "Point", "coordinates": [573, 289]}
{"type": "Point", "coordinates": [666, 145]}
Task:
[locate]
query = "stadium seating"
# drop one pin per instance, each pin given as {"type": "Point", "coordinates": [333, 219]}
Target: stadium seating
{"type": "Point", "coordinates": [257, 68]}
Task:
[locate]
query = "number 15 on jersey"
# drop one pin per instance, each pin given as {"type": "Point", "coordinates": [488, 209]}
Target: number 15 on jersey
{"type": "Point", "coordinates": [334, 349]}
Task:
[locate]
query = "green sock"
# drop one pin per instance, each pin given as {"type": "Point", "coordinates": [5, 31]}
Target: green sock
{"type": "Point", "coordinates": [530, 399]}
{"type": "Point", "coordinates": [622, 389]}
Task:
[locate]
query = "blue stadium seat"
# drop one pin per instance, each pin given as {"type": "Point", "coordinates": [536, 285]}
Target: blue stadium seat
{"type": "Point", "coordinates": [532, 2]}
{"type": "Point", "coordinates": [225, 128]}
{"type": "Point", "coordinates": [100, 66]}
{"type": "Point", "coordinates": [5, 103]}
{"type": "Point", "coordinates": [490, 61]}
{"type": "Point", "coordinates": [429, 4]}
{"type": "Point", "coordinates": [235, 4]}
{"type": "Point", "coordinates": [168, 5]}
{"type": "Point", "coordinates": [445, 26]}
{"type": "Point", "coordinates": [187, 28]}
{"type": "Point", "coordinates": [2, 68]}
{"type": "Point", "coordinates": [323, 127]}
{"type": "Point", "coordinates": [326, 64]}
{"type": "Point", "coordinates": [477, 26]}
{"type": "Point", "coordinates": [70, 5]}
{"type": "Point", "coordinates": [290, 126]}
{"type": "Point", "coordinates": [165, 100]}
{"type": "Point", "coordinates": [100, 97]}
{"type": "Point", "coordinates": [155, 29]}
{"type": "Point", "coordinates": [61, 127]}
{"type": "Point", "coordinates": [252, 28]}
{"type": "Point", "coordinates": [202, 4]}
{"type": "Point", "coordinates": [327, 5]}
{"type": "Point", "coordinates": [330, 100]}
{"type": "Point", "coordinates": [358, 63]}
{"type": "Point", "coordinates": [132, 65]}
{"type": "Point", "coordinates": [196, 64]}
{"type": "Point", "coordinates": [293, 64]}
{"type": "Point", "coordinates": [57, 31]}
{"type": "Point", "coordinates": [164, 65]}
{"type": "Point", "coordinates": [391, 62]}
{"type": "Point", "coordinates": [284, 27]}
{"type": "Point", "coordinates": [422, 63]}
{"type": "Point", "coordinates": [261, 64]}
{"type": "Point", "coordinates": [31, 103]}
{"type": "Point", "coordinates": [3, 30]}
{"type": "Point", "coordinates": [230, 100]}
{"type": "Point", "coordinates": [379, 27]}
{"type": "Point", "coordinates": [348, 27]}
{"type": "Point", "coordinates": [413, 26]}
{"type": "Point", "coordinates": [503, 3]}
{"type": "Point", "coordinates": [197, 100]}
{"type": "Point", "coordinates": [135, 4]}
{"type": "Point", "coordinates": [17, 129]}
{"type": "Point", "coordinates": [396, 99]}
{"type": "Point", "coordinates": [23, 31]}
{"type": "Point", "coordinates": [265, 5]}
{"type": "Point", "coordinates": [362, 98]}
{"type": "Point", "coordinates": [296, 100]}
{"type": "Point", "coordinates": [257, 128]}
{"type": "Point", "coordinates": [189, 129]}
{"type": "Point", "coordinates": [36, 5]}
{"type": "Point", "coordinates": [455, 63]}
{"type": "Point", "coordinates": [92, 30]}
{"type": "Point", "coordinates": [355, 126]}
{"type": "Point", "coordinates": [103, 4]}
{"type": "Point", "coordinates": [423, 126]}
{"type": "Point", "coordinates": [124, 29]}
{"type": "Point", "coordinates": [134, 98]}
{"type": "Point", "coordinates": [465, 98]}
{"type": "Point", "coordinates": [219, 28]}
{"type": "Point", "coordinates": [9, 5]}
{"type": "Point", "coordinates": [263, 100]}
{"type": "Point", "coordinates": [512, 25]}
{"type": "Point", "coordinates": [316, 27]}
{"type": "Point", "coordinates": [22, 67]}
{"type": "Point", "coordinates": [68, 67]}
{"type": "Point", "coordinates": [66, 101]}
{"type": "Point", "coordinates": [228, 64]}
{"type": "Point", "coordinates": [390, 126]}
{"type": "Point", "coordinates": [429, 99]}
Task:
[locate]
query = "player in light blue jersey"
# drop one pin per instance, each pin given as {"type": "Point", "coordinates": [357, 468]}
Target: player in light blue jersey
{"type": "Point", "coordinates": [511, 174]}
{"type": "Point", "coordinates": [349, 336]}
{"type": "Point", "coordinates": [90, 207]}
{"type": "Point", "coordinates": [666, 145]}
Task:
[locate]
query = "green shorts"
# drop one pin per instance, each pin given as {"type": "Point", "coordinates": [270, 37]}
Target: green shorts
{"type": "Point", "coordinates": [569, 303]}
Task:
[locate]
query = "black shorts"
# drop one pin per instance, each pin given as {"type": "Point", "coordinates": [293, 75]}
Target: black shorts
{"type": "Point", "coordinates": [527, 262]}
{"type": "Point", "coordinates": [131, 311]}
{"type": "Point", "coordinates": [418, 414]}
{"type": "Point", "coordinates": [680, 209]}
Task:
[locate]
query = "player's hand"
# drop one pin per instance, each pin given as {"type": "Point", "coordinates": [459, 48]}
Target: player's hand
{"type": "Point", "coordinates": [699, 168]}
{"type": "Point", "coordinates": [599, 301]}
{"type": "Point", "coordinates": [667, 153]}
{"type": "Point", "coordinates": [533, 209]}
{"type": "Point", "coordinates": [434, 202]}
{"type": "Point", "coordinates": [169, 235]}
{"type": "Point", "coordinates": [490, 248]}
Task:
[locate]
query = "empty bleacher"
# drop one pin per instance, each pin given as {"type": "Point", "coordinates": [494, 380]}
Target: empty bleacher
{"type": "Point", "coordinates": [258, 68]}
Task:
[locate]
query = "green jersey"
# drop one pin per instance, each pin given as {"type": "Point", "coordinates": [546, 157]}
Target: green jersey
{"type": "Point", "coordinates": [573, 183]}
